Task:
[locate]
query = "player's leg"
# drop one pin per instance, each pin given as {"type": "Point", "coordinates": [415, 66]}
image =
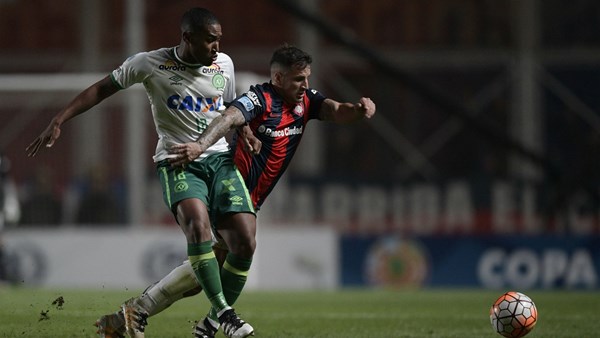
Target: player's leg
{"type": "Point", "coordinates": [181, 282]}
{"type": "Point", "coordinates": [208, 326]}
{"type": "Point", "coordinates": [186, 193]}
{"type": "Point", "coordinates": [192, 216]}
{"type": "Point", "coordinates": [235, 220]}
{"type": "Point", "coordinates": [240, 231]}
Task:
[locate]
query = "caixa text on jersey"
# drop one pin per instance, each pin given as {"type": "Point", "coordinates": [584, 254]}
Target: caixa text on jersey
{"type": "Point", "coordinates": [197, 104]}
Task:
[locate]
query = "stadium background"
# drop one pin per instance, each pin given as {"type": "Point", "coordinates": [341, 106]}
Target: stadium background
{"type": "Point", "coordinates": [480, 168]}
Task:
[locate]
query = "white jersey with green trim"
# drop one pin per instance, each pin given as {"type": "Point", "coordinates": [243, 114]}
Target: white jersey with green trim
{"type": "Point", "coordinates": [184, 97]}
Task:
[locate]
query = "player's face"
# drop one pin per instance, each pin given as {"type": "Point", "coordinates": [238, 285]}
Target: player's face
{"type": "Point", "coordinates": [294, 83]}
{"type": "Point", "coordinates": [204, 44]}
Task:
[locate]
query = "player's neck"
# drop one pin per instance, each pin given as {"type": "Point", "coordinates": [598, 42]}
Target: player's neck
{"type": "Point", "coordinates": [179, 52]}
{"type": "Point", "coordinates": [182, 55]}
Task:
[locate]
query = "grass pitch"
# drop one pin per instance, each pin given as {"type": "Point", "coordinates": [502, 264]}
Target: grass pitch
{"type": "Point", "coordinates": [27, 312]}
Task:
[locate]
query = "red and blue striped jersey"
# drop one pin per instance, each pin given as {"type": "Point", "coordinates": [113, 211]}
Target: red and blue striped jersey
{"type": "Point", "coordinates": [279, 126]}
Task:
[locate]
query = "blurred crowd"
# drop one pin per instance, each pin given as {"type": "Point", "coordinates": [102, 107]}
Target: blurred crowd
{"type": "Point", "coordinates": [40, 202]}
{"type": "Point", "coordinates": [47, 194]}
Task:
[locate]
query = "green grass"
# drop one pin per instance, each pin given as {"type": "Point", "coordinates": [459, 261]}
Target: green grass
{"type": "Point", "coordinates": [344, 314]}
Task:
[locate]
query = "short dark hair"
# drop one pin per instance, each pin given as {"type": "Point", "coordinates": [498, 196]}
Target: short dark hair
{"type": "Point", "coordinates": [291, 56]}
{"type": "Point", "coordinates": [196, 19]}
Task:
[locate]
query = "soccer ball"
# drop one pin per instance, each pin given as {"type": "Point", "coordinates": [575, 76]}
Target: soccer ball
{"type": "Point", "coordinates": [513, 315]}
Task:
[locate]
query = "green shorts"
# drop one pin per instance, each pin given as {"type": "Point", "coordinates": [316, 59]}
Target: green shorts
{"type": "Point", "coordinates": [214, 180]}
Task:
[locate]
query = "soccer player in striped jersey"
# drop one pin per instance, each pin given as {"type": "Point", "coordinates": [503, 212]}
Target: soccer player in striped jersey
{"type": "Point", "coordinates": [277, 113]}
{"type": "Point", "coordinates": [188, 86]}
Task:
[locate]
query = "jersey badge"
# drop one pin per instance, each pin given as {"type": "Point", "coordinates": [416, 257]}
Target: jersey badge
{"type": "Point", "coordinates": [218, 81]}
{"type": "Point", "coordinates": [299, 110]}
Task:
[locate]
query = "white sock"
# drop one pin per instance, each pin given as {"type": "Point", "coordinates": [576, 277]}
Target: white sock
{"type": "Point", "coordinates": [173, 287]}
{"type": "Point", "coordinates": [215, 324]}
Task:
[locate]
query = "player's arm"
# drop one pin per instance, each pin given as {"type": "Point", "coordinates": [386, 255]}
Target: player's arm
{"type": "Point", "coordinates": [251, 143]}
{"type": "Point", "coordinates": [185, 153]}
{"type": "Point", "coordinates": [81, 103]}
{"type": "Point", "coordinates": [231, 118]}
{"type": "Point", "coordinates": [346, 112]}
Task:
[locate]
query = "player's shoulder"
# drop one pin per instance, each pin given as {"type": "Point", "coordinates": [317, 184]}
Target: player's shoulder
{"type": "Point", "coordinates": [261, 88]}
{"type": "Point", "coordinates": [224, 60]}
{"type": "Point", "coordinates": [156, 54]}
{"type": "Point", "coordinates": [314, 94]}
{"type": "Point", "coordinates": [166, 53]}
{"type": "Point", "coordinates": [260, 92]}
{"type": "Point", "coordinates": [253, 98]}
{"type": "Point", "coordinates": [224, 57]}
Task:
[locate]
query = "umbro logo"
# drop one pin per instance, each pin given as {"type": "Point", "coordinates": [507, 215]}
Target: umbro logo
{"type": "Point", "coordinates": [176, 80]}
{"type": "Point", "coordinates": [236, 200]}
{"type": "Point", "coordinates": [181, 187]}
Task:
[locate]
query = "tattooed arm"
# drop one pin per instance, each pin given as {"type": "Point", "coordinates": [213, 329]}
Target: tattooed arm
{"type": "Point", "coordinates": [231, 118]}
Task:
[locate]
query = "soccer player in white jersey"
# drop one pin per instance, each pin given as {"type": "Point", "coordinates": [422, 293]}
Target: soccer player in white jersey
{"type": "Point", "coordinates": [287, 91]}
{"type": "Point", "coordinates": [187, 86]}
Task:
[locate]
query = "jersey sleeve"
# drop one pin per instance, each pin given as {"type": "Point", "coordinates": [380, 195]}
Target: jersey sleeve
{"type": "Point", "coordinates": [251, 104]}
{"type": "Point", "coordinates": [134, 70]}
{"type": "Point", "coordinates": [316, 101]}
{"type": "Point", "coordinates": [229, 91]}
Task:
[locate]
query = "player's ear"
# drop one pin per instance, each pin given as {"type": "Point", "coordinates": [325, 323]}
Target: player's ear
{"type": "Point", "coordinates": [186, 36]}
{"type": "Point", "coordinates": [278, 78]}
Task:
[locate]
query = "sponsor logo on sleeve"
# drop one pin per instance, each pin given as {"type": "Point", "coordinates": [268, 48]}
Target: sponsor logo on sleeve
{"type": "Point", "coordinates": [252, 96]}
{"type": "Point", "coordinates": [246, 102]}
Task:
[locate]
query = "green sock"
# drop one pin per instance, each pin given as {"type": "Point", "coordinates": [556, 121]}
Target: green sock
{"type": "Point", "coordinates": [206, 268]}
{"type": "Point", "coordinates": [233, 278]}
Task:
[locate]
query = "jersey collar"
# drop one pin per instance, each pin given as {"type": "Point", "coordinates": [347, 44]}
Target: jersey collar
{"type": "Point", "coordinates": [191, 65]}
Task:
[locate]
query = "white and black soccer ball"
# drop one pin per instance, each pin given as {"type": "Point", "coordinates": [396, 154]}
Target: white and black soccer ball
{"type": "Point", "coordinates": [513, 315]}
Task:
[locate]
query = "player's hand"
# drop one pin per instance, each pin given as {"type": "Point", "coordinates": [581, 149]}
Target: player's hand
{"type": "Point", "coordinates": [47, 138]}
{"type": "Point", "coordinates": [365, 107]}
{"type": "Point", "coordinates": [184, 153]}
{"type": "Point", "coordinates": [251, 143]}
